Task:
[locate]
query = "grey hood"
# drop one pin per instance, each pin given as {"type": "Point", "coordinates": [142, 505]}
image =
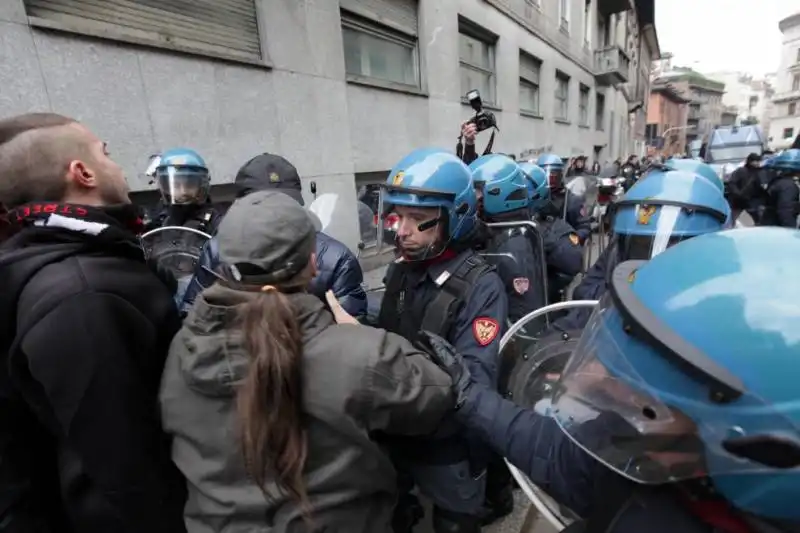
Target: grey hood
{"type": "Point", "coordinates": [213, 362]}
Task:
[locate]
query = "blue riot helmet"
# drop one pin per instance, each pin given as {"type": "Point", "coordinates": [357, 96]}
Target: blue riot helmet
{"type": "Point", "coordinates": [182, 177]}
{"type": "Point", "coordinates": [538, 186]}
{"type": "Point", "coordinates": [553, 166]}
{"type": "Point", "coordinates": [479, 180]}
{"type": "Point", "coordinates": [696, 167]}
{"type": "Point", "coordinates": [787, 161]}
{"type": "Point", "coordinates": [667, 207]}
{"type": "Point", "coordinates": [429, 188]}
{"type": "Point", "coordinates": [688, 369]}
{"type": "Point", "coordinates": [504, 188]}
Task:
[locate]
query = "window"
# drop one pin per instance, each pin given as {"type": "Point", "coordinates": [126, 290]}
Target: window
{"type": "Point", "coordinates": [788, 133]}
{"type": "Point", "coordinates": [529, 69]}
{"type": "Point", "coordinates": [797, 59]}
{"type": "Point", "coordinates": [792, 108]}
{"type": "Point", "coordinates": [377, 53]}
{"type": "Point", "coordinates": [476, 60]}
{"type": "Point", "coordinates": [563, 14]}
{"type": "Point", "coordinates": [753, 102]}
{"type": "Point", "coordinates": [599, 111]}
{"type": "Point", "coordinates": [206, 27]}
{"type": "Point", "coordinates": [583, 106]}
{"type": "Point", "coordinates": [562, 96]}
{"type": "Point", "coordinates": [796, 82]}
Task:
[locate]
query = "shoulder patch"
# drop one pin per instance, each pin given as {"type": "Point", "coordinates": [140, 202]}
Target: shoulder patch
{"type": "Point", "coordinates": [573, 238]}
{"type": "Point", "coordinates": [485, 330]}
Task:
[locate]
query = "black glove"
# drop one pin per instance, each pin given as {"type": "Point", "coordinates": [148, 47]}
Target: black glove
{"type": "Point", "coordinates": [445, 356]}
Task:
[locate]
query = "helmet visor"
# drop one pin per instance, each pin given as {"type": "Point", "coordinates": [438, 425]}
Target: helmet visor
{"type": "Point", "coordinates": [657, 228]}
{"type": "Point", "coordinates": [639, 429]}
{"type": "Point", "coordinates": [183, 185]}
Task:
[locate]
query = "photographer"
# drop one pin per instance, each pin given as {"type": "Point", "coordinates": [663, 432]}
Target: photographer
{"type": "Point", "coordinates": [469, 131]}
{"type": "Point", "coordinates": [483, 120]}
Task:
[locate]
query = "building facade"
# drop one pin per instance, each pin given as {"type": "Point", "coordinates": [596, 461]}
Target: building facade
{"type": "Point", "coordinates": [705, 100]}
{"type": "Point", "coordinates": [667, 120]}
{"type": "Point", "coordinates": [785, 119]}
{"type": "Point", "coordinates": [342, 88]}
{"type": "Point", "coordinates": [750, 98]}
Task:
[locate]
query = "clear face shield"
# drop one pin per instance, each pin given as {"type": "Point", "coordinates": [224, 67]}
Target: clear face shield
{"type": "Point", "coordinates": [638, 428]}
{"type": "Point", "coordinates": [418, 231]}
{"type": "Point", "coordinates": [666, 228]}
{"type": "Point", "coordinates": [183, 185]}
{"type": "Point", "coordinates": [555, 177]}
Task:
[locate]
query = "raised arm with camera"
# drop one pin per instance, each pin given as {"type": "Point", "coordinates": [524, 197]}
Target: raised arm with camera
{"type": "Point", "coordinates": [483, 120]}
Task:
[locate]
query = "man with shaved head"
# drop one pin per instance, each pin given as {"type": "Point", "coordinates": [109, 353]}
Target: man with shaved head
{"type": "Point", "coordinates": [85, 327]}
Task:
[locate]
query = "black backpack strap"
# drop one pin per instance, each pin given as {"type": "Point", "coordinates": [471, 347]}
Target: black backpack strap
{"type": "Point", "coordinates": [455, 290]}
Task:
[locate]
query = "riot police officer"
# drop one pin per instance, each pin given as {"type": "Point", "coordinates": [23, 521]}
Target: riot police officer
{"type": "Point", "coordinates": [667, 207]}
{"type": "Point", "coordinates": [440, 284]}
{"type": "Point", "coordinates": [570, 207]}
{"type": "Point", "coordinates": [782, 194]}
{"type": "Point", "coordinates": [562, 246]}
{"type": "Point", "coordinates": [515, 250]}
{"type": "Point", "coordinates": [185, 183]}
{"type": "Point", "coordinates": [678, 409]}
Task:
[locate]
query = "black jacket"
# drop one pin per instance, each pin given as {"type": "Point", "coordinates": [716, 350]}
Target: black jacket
{"type": "Point", "coordinates": [85, 330]}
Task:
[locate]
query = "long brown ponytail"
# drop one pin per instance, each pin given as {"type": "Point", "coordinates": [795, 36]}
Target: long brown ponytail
{"type": "Point", "coordinates": [270, 401]}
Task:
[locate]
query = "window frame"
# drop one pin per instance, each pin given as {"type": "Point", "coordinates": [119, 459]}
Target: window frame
{"type": "Point", "coordinates": [356, 22]}
{"type": "Point", "coordinates": [601, 110]}
{"type": "Point", "coordinates": [584, 90]}
{"type": "Point", "coordinates": [535, 85]}
{"type": "Point", "coordinates": [472, 30]}
{"type": "Point", "coordinates": [120, 33]}
{"type": "Point", "coordinates": [561, 77]}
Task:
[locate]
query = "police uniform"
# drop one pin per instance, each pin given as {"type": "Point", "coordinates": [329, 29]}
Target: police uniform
{"type": "Point", "coordinates": [667, 356]}
{"type": "Point", "coordinates": [462, 299]}
{"type": "Point", "coordinates": [575, 214]}
{"type": "Point", "coordinates": [203, 217]}
{"type": "Point", "coordinates": [783, 198]}
{"type": "Point", "coordinates": [563, 254]}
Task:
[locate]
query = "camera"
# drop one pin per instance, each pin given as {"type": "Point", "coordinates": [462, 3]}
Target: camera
{"type": "Point", "coordinates": [483, 120]}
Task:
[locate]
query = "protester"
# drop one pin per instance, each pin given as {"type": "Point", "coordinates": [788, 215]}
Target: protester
{"type": "Point", "coordinates": [85, 329]}
{"type": "Point", "coordinates": [273, 405]}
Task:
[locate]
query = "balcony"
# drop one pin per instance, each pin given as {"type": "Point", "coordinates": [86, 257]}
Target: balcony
{"type": "Point", "coordinates": [609, 7]}
{"type": "Point", "coordinates": [786, 96]}
{"type": "Point", "coordinates": [611, 66]}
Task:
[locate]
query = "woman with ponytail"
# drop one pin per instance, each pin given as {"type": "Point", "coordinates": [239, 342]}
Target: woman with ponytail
{"type": "Point", "coordinates": [272, 404]}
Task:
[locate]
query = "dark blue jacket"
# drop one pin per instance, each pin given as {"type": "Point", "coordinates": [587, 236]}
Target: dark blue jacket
{"type": "Point", "coordinates": [537, 446]}
{"type": "Point", "coordinates": [592, 287]}
{"type": "Point", "coordinates": [337, 270]}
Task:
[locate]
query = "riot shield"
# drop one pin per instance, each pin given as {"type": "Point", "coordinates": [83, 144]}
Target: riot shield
{"type": "Point", "coordinates": [583, 186]}
{"type": "Point", "coordinates": [175, 248]}
{"type": "Point", "coordinates": [536, 263]}
{"type": "Point", "coordinates": [536, 365]}
{"type": "Point", "coordinates": [325, 208]}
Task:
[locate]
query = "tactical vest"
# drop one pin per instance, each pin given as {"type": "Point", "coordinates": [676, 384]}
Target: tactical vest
{"type": "Point", "coordinates": [453, 288]}
{"type": "Point", "coordinates": [203, 219]}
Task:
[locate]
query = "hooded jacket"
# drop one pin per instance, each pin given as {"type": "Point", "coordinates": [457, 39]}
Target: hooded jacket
{"type": "Point", "coordinates": [338, 268]}
{"type": "Point", "coordinates": [356, 380]}
{"type": "Point", "coordinates": [85, 329]}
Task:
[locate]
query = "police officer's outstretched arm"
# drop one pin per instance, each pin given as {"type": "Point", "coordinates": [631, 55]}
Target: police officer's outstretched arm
{"type": "Point", "coordinates": [531, 442]}
{"type": "Point", "coordinates": [577, 217]}
{"type": "Point", "coordinates": [479, 327]}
